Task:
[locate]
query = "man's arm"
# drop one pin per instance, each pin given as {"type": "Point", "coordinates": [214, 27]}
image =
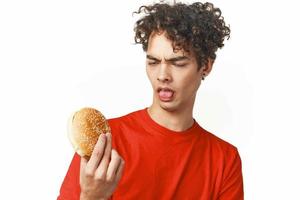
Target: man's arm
{"type": "Point", "coordinates": [232, 187]}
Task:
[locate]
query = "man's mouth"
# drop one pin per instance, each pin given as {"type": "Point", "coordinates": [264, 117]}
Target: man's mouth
{"type": "Point", "coordinates": [165, 94]}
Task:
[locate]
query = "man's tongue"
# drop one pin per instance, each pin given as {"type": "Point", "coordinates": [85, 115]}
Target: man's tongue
{"type": "Point", "coordinates": [165, 93]}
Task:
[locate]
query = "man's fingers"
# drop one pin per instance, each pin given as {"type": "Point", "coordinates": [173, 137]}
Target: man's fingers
{"type": "Point", "coordinates": [102, 169]}
{"type": "Point", "coordinates": [105, 163]}
{"type": "Point", "coordinates": [120, 171]}
{"type": "Point", "coordinates": [108, 147]}
{"type": "Point", "coordinates": [83, 162]}
{"type": "Point", "coordinates": [113, 165]}
{"type": "Point", "coordinates": [97, 154]}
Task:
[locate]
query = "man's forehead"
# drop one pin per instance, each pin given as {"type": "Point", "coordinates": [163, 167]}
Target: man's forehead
{"type": "Point", "coordinates": [180, 55]}
{"type": "Point", "coordinates": [160, 46]}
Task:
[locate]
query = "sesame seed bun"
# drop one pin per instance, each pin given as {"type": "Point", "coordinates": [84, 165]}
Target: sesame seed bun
{"type": "Point", "coordinates": [84, 129]}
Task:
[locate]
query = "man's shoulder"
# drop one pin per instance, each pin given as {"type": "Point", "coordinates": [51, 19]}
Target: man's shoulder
{"type": "Point", "coordinates": [218, 143]}
{"type": "Point", "coordinates": [127, 118]}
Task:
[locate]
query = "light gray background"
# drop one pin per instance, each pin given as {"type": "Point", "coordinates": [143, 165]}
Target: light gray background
{"type": "Point", "coordinates": [59, 56]}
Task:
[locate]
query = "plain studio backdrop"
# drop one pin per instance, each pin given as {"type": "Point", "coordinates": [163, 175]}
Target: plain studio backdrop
{"type": "Point", "coordinates": [59, 56]}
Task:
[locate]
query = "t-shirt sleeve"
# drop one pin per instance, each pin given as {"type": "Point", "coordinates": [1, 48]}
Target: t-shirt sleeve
{"type": "Point", "coordinates": [232, 185]}
{"type": "Point", "coordinates": [70, 188]}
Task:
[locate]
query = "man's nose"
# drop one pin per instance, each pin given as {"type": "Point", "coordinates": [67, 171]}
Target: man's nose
{"type": "Point", "coordinates": [164, 73]}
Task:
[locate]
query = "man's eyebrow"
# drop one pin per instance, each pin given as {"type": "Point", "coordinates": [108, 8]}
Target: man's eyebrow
{"type": "Point", "coordinates": [152, 58]}
{"type": "Point", "coordinates": [174, 59]}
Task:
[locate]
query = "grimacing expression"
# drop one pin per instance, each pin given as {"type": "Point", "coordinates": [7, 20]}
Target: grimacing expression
{"type": "Point", "coordinates": [174, 76]}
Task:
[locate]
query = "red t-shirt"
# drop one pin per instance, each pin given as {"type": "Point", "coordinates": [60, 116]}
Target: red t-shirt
{"type": "Point", "coordinates": [165, 164]}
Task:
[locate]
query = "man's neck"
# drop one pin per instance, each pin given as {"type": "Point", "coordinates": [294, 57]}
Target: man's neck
{"type": "Point", "coordinates": [175, 120]}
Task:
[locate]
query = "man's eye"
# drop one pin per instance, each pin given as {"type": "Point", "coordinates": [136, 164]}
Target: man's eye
{"type": "Point", "coordinates": [179, 65]}
{"type": "Point", "coordinates": [152, 63]}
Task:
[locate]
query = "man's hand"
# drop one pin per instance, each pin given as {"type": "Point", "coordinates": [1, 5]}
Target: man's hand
{"type": "Point", "coordinates": [100, 174]}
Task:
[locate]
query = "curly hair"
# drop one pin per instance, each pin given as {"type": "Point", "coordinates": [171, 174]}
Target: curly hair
{"type": "Point", "coordinates": [198, 27]}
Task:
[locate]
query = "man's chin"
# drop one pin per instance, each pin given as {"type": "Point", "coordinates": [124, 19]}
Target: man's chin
{"type": "Point", "coordinates": [169, 106]}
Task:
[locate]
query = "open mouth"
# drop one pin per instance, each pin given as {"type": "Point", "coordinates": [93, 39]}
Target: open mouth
{"type": "Point", "coordinates": [165, 94]}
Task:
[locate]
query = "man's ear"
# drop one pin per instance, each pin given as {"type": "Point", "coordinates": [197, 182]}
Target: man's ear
{"type": "Point", "coordinates": [206, 69]}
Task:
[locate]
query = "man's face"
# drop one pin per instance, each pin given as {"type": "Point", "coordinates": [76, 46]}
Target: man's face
{"type": "Point", "coordinates": [174, 76]}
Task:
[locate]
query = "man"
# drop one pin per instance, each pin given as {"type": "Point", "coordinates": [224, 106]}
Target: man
{"type": "Point", "coordinates": [161, 152]}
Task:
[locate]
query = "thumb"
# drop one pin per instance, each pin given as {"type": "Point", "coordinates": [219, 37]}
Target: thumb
{"type": "Point", "coordinates": [83, 163]}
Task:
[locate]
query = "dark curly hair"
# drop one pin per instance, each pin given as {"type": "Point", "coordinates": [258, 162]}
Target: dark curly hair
{"type": "Point", "coordinates": [198, 27]}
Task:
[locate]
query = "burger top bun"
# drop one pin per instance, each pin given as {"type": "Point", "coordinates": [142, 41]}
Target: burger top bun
{"type": "Point", "coordinates": [84, 128]}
